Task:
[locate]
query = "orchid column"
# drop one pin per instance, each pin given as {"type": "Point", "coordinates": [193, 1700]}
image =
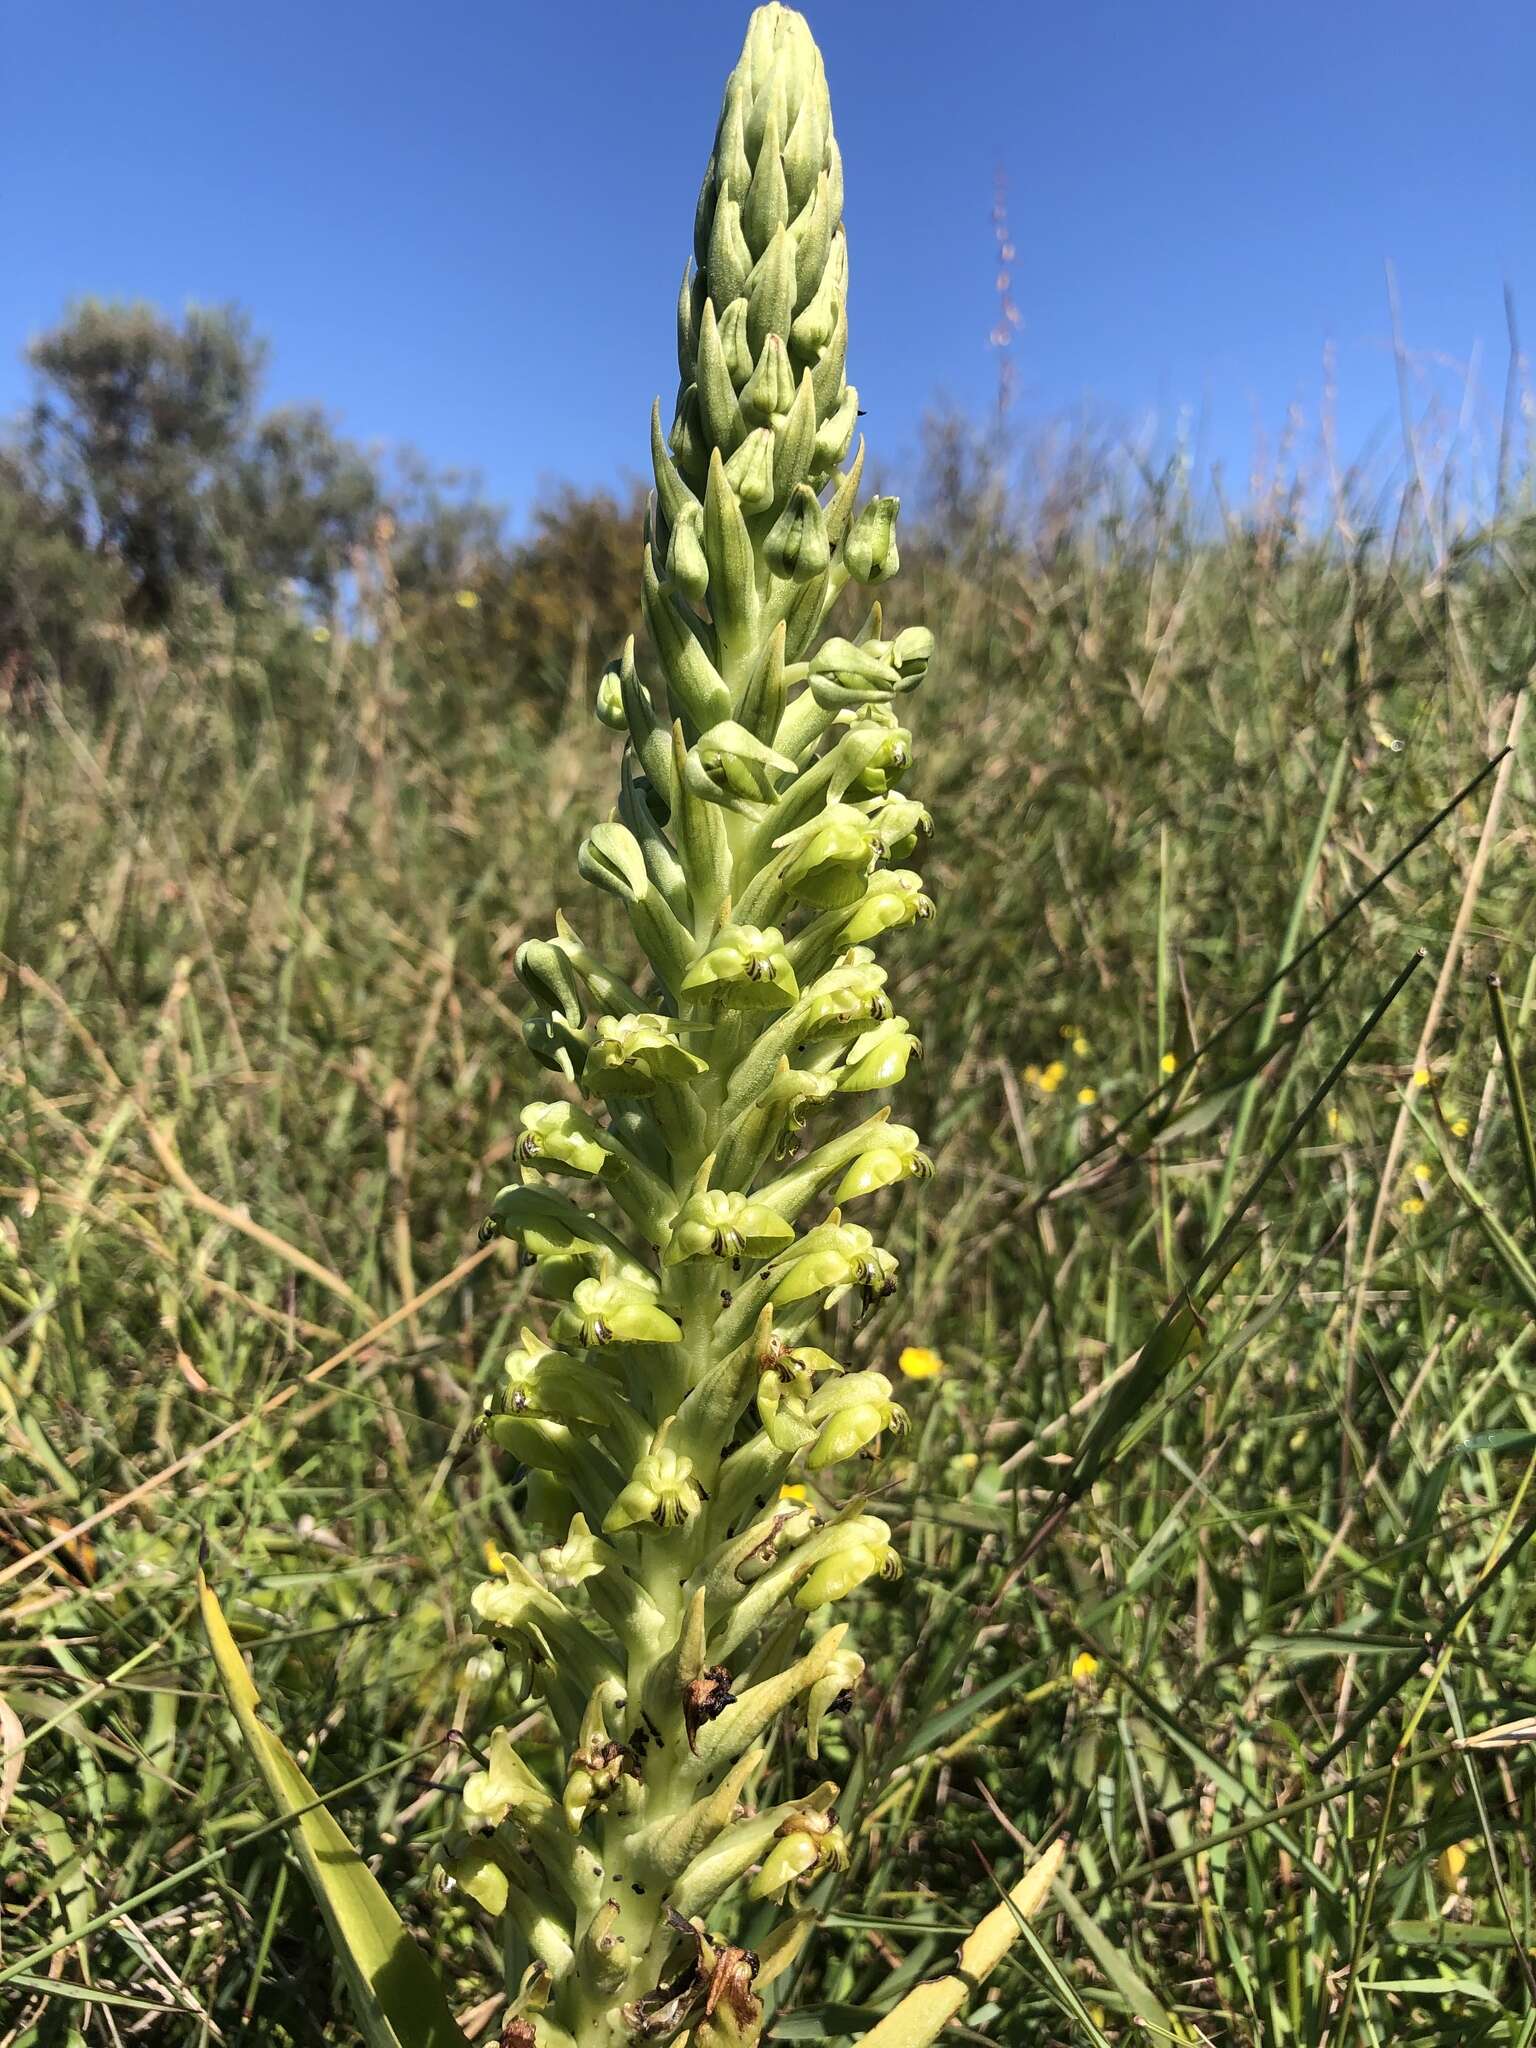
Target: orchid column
{"type": "Point", "coordinates": [759, 847]}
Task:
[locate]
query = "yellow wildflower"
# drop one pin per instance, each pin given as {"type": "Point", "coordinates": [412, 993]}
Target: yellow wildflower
{"type": "Point", "coordinates": [1451, 1862]}
{"type": "Point", "coordinates": [1084, 1668]}
{"type": "Point", "coordinates": [1081, 1046]}
{"type": "Point", "coordinates": [1087, 1097]}
{"type": "Point", "coordinates": [1421, 1077]}
{"type": "Point", "coordinates": [1423, 1172]}
{"type": "Point", "coordinates": [1460, 1128]}
{"type": "Point", "coordinates": [1052, 1077]}
{"type": "Point", "coordinates": [466, 600]}
{"type": "Point", "coordinates": [792, 1491]}
{"type": "Point", "coordinates": [1413, 1205]}
{"type": "Point", "coordinates": [919, 1363]}
{"type": "Point", "coordinates": [1169, 1063]}
{"type": "Point", "coordinates": [1032, 1076]}
{"type": "Point", "coordinates": [320, 635]}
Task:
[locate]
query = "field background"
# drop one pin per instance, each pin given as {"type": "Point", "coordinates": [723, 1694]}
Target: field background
{"type": "Point", "coordinates": [268, 852]}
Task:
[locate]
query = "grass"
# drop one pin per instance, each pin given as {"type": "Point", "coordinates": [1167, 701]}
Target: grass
{"type": "Point", "coordinates": [1230, 1584]}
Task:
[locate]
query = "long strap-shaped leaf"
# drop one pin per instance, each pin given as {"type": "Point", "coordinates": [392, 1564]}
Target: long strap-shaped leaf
{"type": "Point", "coordinates": [929, 2007]}
{"type": "Point", "coordinates": [395, 1991]}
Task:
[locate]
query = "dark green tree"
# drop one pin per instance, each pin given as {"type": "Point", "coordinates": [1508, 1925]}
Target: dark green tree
{"type": "Point", "coordinates": [136, 422]}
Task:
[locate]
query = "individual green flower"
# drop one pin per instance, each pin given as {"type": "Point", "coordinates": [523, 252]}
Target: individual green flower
{"type": "Point", "coordinates": [557, 1134]}
{"type": "Point", "coordinates": [477, 1872]}
{"type": "Point", "coordinates": [857, 1554]}
{"type": "Point", "coordinates": [828, 860]}
{"type": "Point", "coordinates": [894, 1155]}
{"type": "Point", "coordinates": [504, 1786]}
{"type": "Point", "coordinates": [894, 898]}
{"type": "Point", "coordinates": [538, 1379]}
{"type": "Point", "coordinates": [832, 1692]}
{"type": "Point", "coordinates": [634, 1055]}
{"type": "Point", "coordinates": [610, 1311]}
{"type": "Point", "coordinates": [806, 1842]}
{"type": "Point", "coordinates": [718, 1225]}
{"type": "Point", "coordinates": [849, 1415]}
{"type": "Point", "coordinates": [662, 1490]}
{"type": "Point", "coordinates": [578, 1558]}
{"type": "Point", "coordinates": [878, 1058]}
{"type": "Point", "coordinates": [830, 1260]}
{"type": "Point", "coordinates": [745, 969]}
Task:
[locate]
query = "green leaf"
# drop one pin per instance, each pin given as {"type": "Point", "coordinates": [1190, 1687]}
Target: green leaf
{"type": "Point", "coordinates": [396, 1994]}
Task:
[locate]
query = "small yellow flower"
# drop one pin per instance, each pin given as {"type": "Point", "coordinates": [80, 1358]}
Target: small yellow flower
{"type": "Point", "coordinates": [793, 1492]}
{"type": "Point", "coordinates": [1460, 1128]}
{"type": "Point", "coordinates": [1032, 1076]}
{"type": "Point", "coordinates": [1333, 1119]}
{"type": "Point", "coordinates": [1421, 1077]}
{"type": "Point", "coordinates": [1169, 1063]}
{"type": "Point", "coordinates": [1069, 1031]}
{"type": "Point", "coordinates": [1451, 1862]}
{"type": "Point", "coordinates": [466, 600]}
{"type": "Point", "coordinates": [1084, 1668]}
{"type": "Point", "coordinates": [494, 1562]}
{"type": "Point", "coordinates": [1051, 1079]}
{"type": "Point", "coordinates": [1423, 1172]}
{"type": "Point", "coordinates": [1087, 1097]}
{"type": "Point", "coordinates": [1413, 1205]}
{"type": "Point", "coordinates": [919, 1363]}
{"type": "Point", "coordinates": [1081, 1047]}
{"type": "Point", "coordinates": [320, 635]}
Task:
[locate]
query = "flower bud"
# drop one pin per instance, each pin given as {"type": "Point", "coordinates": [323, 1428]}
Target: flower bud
{"type": "Point", "coordinates": [870, 553]}
{"type": "Point", "coordinates": [610, 699]}
{"type": "Point", "coordinates": [749, 471]}
{"type": "Point", "coordinates": [686, 565]}
{"type": "Point", "coordinates": [770, 390]}
{"type": "Point", "coordinates": [797, 546]}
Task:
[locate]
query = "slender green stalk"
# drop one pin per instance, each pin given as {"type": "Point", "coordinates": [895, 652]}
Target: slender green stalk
{"type": "Point", "coordinates": [760, 847]}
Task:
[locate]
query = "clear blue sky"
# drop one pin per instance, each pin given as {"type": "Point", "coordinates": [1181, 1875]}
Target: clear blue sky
{"type": "Point", "coordinates": [462, 225]}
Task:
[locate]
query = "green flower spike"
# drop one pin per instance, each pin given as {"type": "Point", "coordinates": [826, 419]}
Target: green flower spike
{"type": "Point", "coordinates": [761, 850]}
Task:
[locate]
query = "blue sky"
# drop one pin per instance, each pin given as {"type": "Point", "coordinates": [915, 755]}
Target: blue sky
{"type": "Point", "coordinates": [462, 225]}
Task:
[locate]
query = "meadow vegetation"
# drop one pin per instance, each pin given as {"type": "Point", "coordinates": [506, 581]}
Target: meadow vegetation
{"type": "Point", "coordinates": [1244, 1610]}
